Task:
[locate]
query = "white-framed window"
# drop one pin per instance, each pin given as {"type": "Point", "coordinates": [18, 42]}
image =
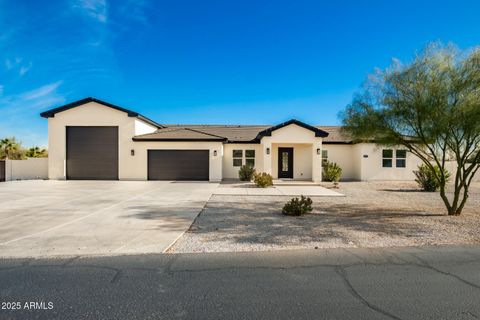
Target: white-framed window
{"type": "Point", "coordinates": [401, 158]}
{"type": "Point", "coordinates": [324, 157]}
{"type": "Point", "coordinates": [250, 158]}
{"type": "Point", "coordinates": [241, 157]}
{"type": "Point", "coordinates": [387, 158]}
{"type": "Point", "coordinates": [237, 156]}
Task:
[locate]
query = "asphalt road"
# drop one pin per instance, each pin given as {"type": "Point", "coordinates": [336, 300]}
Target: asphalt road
{"type": "Point", "coordinates": [401, 283]}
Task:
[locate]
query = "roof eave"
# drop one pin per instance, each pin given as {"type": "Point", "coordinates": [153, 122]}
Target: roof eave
{"type": "Point", "coordinates": [176, 140]}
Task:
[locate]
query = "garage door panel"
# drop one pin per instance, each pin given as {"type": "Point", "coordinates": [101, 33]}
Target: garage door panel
{"type": "Point", "coordinates": [92, 153]}
{"type": "Point", "coordinates": [178, 164]}
{"type": "Point", "coordinates": [2, 171]}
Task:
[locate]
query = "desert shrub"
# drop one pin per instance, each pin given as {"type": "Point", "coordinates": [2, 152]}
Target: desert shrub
{"type": "Point", "coordinates": [427, 177]}
{"type": "Point", "coordinates": [263, 180]}
{"type": "Point", "coordinates": [332, 172]}
{"type": "Point", "coordinates": [298, 207]}
{"type": "Point", "coordinates": [246, 173]}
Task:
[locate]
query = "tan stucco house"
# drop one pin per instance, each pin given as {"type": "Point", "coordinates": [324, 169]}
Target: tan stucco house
{"type": "Point", "coordinates": [92, 139]}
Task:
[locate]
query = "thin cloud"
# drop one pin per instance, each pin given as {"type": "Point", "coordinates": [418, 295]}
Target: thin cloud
{"type": "Point", "coordinates": [96, 9]}
{"type": "Point", "coordinates": [25, 69]}
{"type": "Point", "coordinates": [41, 97]}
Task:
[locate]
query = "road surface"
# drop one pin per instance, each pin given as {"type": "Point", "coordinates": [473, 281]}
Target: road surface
{"type": "Point", "coordinates": [394, 283]}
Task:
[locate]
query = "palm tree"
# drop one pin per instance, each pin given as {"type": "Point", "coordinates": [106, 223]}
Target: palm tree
{"type": "Point", "coordinates": [36, 152]}
{"type": "Point", "coordinates": [9, 147]}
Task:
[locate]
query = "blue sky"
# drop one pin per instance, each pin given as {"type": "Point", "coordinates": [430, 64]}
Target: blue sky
{"type": "Point", "coordinates": [245, 62]}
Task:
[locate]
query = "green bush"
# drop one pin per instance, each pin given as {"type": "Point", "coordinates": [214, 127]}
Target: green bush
{"type": "Point", "coordinates": [246, 173]}
{"type": "Point", "coordinates": [332, 172]}
{"type": "Point", "coordinates": [263, 180]}
{"type": "Point", "coordinates": [298, 207]}
{"type": "Point", "coordinates": [427, 179]}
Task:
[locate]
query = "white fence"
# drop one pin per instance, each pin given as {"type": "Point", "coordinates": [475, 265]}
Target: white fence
{"type": "Point", "coordinates": [32, 168]}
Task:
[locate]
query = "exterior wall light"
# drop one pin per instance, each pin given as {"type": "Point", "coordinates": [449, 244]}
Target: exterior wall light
{"type": "Point", "coordinates": [268, 150]}
{"type": "Point", "coordinates": [319, 151]}
{"type": "Point", "coordinates": [132, 152]}
{"type": "Point", "coordinates": [214, 153]}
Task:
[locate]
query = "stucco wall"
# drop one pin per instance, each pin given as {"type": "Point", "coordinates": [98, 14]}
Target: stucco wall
{"type": "Point", "coordinates": [231, 172]}
{"type": "Point", "coordinates": [371, 166]}
{"type": "Point", "coordinates": [344, 155]}
{"type": "Point", "coordinates": [143, 128]}
{"type": "Point", "coordinates": [29, 169]}
{"type": "Point", "coordinates": [130, 167]}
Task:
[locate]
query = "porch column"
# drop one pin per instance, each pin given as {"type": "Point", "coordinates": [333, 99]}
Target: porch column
{"type": "Point", "coordinates": [317, 161]}
{"type": "Point", "coordinates": [267, 155]}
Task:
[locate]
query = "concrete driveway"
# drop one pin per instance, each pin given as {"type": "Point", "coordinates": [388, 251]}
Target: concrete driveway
{"type": "Point", "coordinates": [46, 218]}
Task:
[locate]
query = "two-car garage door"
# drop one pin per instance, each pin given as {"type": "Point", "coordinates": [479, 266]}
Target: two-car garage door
{"type": "Point", "coordinates": [178, 164]}
{"type": "Point", "coordinates": [92, 154]}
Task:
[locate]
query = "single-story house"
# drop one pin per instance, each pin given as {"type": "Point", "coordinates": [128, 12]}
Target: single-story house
{"type": "Point", "coordinates": [92, 139]}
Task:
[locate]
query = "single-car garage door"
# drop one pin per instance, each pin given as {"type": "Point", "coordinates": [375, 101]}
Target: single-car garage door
{"type": "Point", "coordinates": [178, 164]}
{"type": "Point", "coordinates": [92, 153]}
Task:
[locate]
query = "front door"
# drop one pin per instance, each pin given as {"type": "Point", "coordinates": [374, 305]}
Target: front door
{"type": "Point", "coordinates": [285, 163]}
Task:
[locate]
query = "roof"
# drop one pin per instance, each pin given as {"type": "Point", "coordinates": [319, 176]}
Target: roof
{"type": "Point", "coordinates": [230, 133]}
{"type": "Point", "coordinates": [51, 113]}
{"type": "Point", "coordinates": [224, 133]}
{"type": "Point", "coordinates": [178, 134]}
{"type": "Point", "coordinates": [335, 135]}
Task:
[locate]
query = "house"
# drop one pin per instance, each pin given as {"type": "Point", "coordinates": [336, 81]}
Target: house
{"type": "Point", "coordinates": [92, 139]}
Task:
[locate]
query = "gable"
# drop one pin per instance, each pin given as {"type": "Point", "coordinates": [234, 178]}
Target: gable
{"type": "Point", "coordinates": [52, 112]}
{"type": "Point", "coordinates": [268, 132]}
{"type": "Point", "coordinates": [292, 133]}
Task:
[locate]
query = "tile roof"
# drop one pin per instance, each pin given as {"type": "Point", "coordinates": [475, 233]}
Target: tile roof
{"type": "Point", "coordinates": [231, 133]}
{"type": "Point", "coordinates": [178, 134]}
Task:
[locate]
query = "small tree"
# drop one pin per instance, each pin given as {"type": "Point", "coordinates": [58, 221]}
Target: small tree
{"type": "Point", "coordinates": [430, 106]}
{"type": "Point", "coordinates": [36, 152]}
{"type": "Point", "coordinates": [10, 149]}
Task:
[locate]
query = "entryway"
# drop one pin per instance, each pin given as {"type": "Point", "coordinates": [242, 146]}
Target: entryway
{"type": "Point", "coordinates": [285, 163]}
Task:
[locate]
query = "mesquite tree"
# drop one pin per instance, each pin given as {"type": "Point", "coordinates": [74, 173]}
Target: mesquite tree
{"type": "Point", "coordinates": [431, 106]}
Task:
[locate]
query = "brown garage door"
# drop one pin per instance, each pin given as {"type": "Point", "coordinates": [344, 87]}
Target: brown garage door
{"type": "Point", "coordinates": [178, 164]}
{"type": "Point", "coordinates": [92, 153]}
{"type": "Point", "coordinates": [2, 170]}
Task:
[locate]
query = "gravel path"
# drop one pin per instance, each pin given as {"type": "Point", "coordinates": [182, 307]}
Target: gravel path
{"type": "Point", "coordinates": [373, 214]}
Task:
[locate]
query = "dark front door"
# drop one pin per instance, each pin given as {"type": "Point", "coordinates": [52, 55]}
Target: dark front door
{"type": "Point", "coordinates": [2, 170]}
{"type": "Point", "coordinates": [178, 164]}
{"type": "Point", "coordinates": [285, 163]}
{"type": "Point", "coordinates": [92, 153]}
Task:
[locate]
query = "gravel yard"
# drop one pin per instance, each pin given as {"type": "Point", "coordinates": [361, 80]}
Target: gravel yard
{"type": "Point", "coordinates": [373, 214]}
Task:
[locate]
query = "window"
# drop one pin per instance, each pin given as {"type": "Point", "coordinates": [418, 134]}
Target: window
{"type": "Point", "coordinates": [237, 158]}
{"type": "Point", "coordinates": [401, 160]}
{"type": "Point", "coordinates": [250, 158]}
{"type": "Point", "coordinates": [387, 158]}
{"type": "Point", "coordinates": [324, 157]}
